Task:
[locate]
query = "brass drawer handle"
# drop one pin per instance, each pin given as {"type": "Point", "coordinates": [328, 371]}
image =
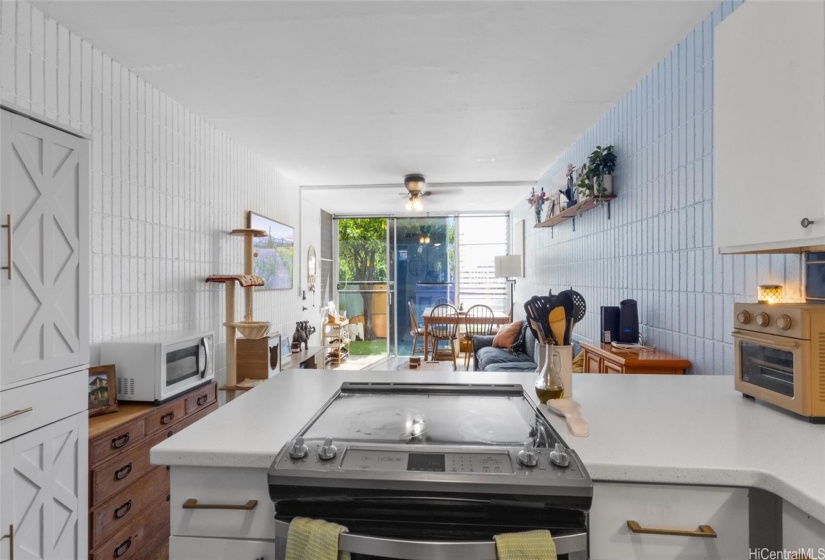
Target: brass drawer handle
{"type": "Point", "coordinates": [123, 472]}
{"type": "Point", "coordinates": [123, 547]}
{"type": "Point", "coordinates": [10, 247]}
{"type": "Point", "coordinates": [120, 441]}
{"type": "Point", "coordinates": [16, 413]}
{"type": "Point", "coordinates": [123, 509]}
{"type": "Point", "coordinates": [703, 531]}
{"type": "Point", "coordinates": [10, 536]}
{"type": "Point", "coordinates": [192, 503]}
{"type": "Point", "coordinates": [202, 399]}
{"type": "Point", "coordinates": [168, 417]}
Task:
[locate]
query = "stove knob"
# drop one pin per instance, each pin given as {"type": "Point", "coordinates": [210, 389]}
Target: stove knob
{"type": "Point", "coordinates": [298, 449]}
{"type": "Point", "coordinates": [743, 317]}
{"type": "Point", "coordinates": [327, 451]}
{"type": "Point", "coordinates": [559, 457]}
{"type": "Point", "coordinates": [527, 457]}
{"type": "Point", "coordinates": [783, 322]}
{"type": "Point", "coordinates": [763, 319]}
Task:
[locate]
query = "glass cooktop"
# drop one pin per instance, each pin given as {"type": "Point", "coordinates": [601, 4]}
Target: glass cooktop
{"type": "Point", "coordinates": [431, 415]}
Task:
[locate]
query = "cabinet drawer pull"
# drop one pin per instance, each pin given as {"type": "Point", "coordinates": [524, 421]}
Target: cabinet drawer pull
{"type": "Point", "coordinates": [202, 399]}
{"type": "Point", "coordinates": [168, 417]}
{"type": "Point", "coordinates": [123, 509]}
{"type": "Point", "coordinates": [120, 441]}
{"type": "Point", "coordinates": [16, 413]}
{"type": "Point", "coordinates": [10, 536]}
{"type": "Point", "coordinates": [703, 531]}
{"type": "Point", "coordinates": [10, 247]}
{"type": "Point", "coordinates": [192, 503]}
{"type": "Point", "coordinates": [804, 223]}
{"type": "Point", "coordinates": [123, 547]}
{"type": "Point", "coordinates": [123, 472]}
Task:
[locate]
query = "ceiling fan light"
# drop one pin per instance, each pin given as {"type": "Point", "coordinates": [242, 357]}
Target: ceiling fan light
{"type": "Point", "coordinates": [409, 204]}
{"type": "Point", "coordinates": [416, 204]}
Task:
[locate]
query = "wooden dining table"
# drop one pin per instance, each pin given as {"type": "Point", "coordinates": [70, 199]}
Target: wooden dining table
{"type": "Point", "coordinates": [499, 318]}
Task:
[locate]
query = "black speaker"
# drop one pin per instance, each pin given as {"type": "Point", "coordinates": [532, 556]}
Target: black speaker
{"type": "Point", "coordinates": [610, 324]}
{"type": "Point", "coordinates": [628, 322]}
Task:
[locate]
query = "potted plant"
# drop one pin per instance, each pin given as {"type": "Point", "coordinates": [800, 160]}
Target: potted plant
{"type": "Point", "coordinates": [536, 201]}
{"type": "Point", "coordinates": [585, 184]}
{"type": "Point", "coordinates": [602, 164]}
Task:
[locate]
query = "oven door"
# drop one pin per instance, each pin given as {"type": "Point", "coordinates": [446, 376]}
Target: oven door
{"type": "Point", "coordinates": [771, 368]}
{"type": "Point", "coordinates": [404, 527]}
{"type": "Point", "coordinates": [185, 365]}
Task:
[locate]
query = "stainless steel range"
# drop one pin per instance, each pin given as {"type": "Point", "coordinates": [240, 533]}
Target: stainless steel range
{"type": "Point", "coordinates": [432, 472]}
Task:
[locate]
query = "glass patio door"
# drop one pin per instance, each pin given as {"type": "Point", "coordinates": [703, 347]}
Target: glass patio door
{"type": "Point", "coordinates": [366, 287]}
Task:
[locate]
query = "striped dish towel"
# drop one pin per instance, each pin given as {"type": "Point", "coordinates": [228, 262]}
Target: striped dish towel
{"type": "Point", "coordinates": [529, 545]}
{"type": "Point", "coordinates": [314, 539]}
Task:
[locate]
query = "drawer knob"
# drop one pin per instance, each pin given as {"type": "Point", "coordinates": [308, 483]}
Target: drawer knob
{"type": "Point", "coordinates": [202, 400]}
{"type": "Point", "coordinates": [123, 509]}
{"type": "Point", "coordinates": [120, 441]}
{"type": "Point", "coordinates": [123, 547]}
{"type": "Point", "coordinates": [806, 222]}
{"type": "Point", "coordinates": [192, 503]}
{"type": "Point", "coordinates": [168, 417]}
{"type": "Point", "coordinates": [703, 531]}
{"type": "Point", "coordinates": [123, 472]}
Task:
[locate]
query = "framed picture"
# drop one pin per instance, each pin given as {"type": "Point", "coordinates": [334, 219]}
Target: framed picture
{"type": "Point", "coordinates": [286, 352]}
{"type": "Point", "coordinates": [102, 390]}
{"type": "Point", "coordinates": [273, 254]}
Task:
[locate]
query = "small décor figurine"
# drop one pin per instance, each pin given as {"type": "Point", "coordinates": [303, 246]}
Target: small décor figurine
{"type": "Point", "coordinates": [303, 330]}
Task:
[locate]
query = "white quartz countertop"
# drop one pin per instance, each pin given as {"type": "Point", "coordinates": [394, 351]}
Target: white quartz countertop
{"type": "Point", "coordinates": [643, 428]}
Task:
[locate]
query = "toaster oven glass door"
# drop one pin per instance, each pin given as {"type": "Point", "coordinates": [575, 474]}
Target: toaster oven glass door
{"type": "Point", "coordinates": [768, 366]}
{"type": "Point", "coordinates": [184, 362]}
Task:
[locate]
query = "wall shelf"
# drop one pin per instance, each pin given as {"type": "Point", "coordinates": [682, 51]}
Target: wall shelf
{"type": "Point", "coordinates": [572, 212]}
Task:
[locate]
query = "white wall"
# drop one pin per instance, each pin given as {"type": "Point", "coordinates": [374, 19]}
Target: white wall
{"type": "Point", "coordinates": [166, 185]}
{"type": "Point", "coordinates": [658, 248]}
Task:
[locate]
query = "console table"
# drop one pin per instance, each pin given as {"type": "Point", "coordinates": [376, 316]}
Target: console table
{"type": "Point", "coordinates": [604, 358]}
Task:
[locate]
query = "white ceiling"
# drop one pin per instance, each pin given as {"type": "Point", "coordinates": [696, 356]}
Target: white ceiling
{"type": "Point", "coordinates": [364, 92]}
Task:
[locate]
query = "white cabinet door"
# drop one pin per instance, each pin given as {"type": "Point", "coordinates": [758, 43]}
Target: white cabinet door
{"type": "Point", "coordinates": [802, 532]}
{"type": "Point", "coordinates": [44, 491]}
{"type": "Point", "coordinates": [186, 548]}
{"type": "Point", "coordinates": [44, 198]}
{"type": "Point", "coordinates": [769, 126]}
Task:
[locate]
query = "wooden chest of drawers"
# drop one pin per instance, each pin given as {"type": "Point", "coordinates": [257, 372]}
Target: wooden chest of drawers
{"type": "Point", "coordinates": [128, 496]}
{"type": "Point", "coordinates": [603, 358]}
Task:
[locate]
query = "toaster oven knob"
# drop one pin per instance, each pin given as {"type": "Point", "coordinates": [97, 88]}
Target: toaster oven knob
{"type": "Point", "coordinates": [763, 319]}
{"type": "Point", "coordinates": [327, 451]}
{"type": "Point", "coordinates": [743, 317]}
{"type": "Point", "coordinates": [559, 457]}
{"type": "Point", "coordinates": [527, 456]}
{"type": "Point", "coordinates": [298, 449]}
{"type": "Point", "coordinates": [783, 322]}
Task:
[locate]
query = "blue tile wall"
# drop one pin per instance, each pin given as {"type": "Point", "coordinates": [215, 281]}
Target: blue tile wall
{"type": "Point", "coordinates": [658, 246]}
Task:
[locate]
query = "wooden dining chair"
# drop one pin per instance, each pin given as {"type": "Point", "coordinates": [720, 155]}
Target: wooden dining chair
{"type": "Point", "coordinates": [479, 320]}
{"type": "Point", "coordinates": [440, 330]}
{"type": "Point", "coordinates": [415, 330]}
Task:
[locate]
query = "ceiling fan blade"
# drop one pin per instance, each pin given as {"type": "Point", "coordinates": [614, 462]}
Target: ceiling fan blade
{"type": "Point", "coordinates": [447, 190]}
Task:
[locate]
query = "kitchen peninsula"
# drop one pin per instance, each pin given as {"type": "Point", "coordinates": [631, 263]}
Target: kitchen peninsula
{"type": "Point", "coordinates": [667, 451]}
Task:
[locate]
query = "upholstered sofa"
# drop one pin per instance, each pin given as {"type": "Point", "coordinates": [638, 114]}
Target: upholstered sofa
{"type": "Point", "coordinates": [488, 358]}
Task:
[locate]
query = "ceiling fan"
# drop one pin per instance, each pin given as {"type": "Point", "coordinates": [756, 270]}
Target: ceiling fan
{"type": "Point", "coordinates": [416, 185]}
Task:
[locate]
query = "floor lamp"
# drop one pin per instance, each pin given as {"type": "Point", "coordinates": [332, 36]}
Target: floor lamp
{"type": "Point", "coordinates": [508, 266]}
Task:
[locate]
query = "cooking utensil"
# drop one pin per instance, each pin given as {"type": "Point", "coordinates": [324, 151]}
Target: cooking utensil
{"type": "Point", "coordinates": [578, 302]}
{"type": "Point", "coordinates": [538, 308]}
{"type": "Point", "coordinates": [558, 324]}
{"type": "Point", "coordinates": [565, 300]}
{"type": "Point", "coordinates": [571, 411]}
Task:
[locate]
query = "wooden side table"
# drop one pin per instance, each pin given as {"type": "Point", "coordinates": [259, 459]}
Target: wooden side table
{"type": "Point", "coordinates": [604, 358]}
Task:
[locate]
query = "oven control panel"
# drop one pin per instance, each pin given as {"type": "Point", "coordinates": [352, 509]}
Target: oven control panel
{"type": "Point", "coordinates": [783, 319]}
{"type": "Point", "coordinates": [387, 460]}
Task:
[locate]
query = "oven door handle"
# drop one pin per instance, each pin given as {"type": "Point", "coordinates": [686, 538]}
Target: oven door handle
{"type": "Point", "coordinates": [765, 342]}
{"type": "Point", "coordinates": [404, 549]}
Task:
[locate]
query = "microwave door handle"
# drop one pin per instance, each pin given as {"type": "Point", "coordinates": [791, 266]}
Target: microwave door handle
{"type": "Point", "coordinates": [407, 549]}
{"type": "Point", "coordinates": [205, 357]}
{"type": "Point", "coordinates": [764, 342]}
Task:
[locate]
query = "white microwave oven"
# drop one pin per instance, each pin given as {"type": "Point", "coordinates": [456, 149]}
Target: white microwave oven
{"type": "Point", "coordinates": [161, 365]}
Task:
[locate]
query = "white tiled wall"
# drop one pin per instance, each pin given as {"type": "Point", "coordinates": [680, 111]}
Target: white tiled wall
{"type": "Point", "coordinates": [166, 185]}
{"type": "Point", "coordinates": [658, 246]}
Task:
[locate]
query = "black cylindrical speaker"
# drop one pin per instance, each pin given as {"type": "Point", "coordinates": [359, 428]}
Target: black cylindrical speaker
{"type": "Point", "coordinates": [610, 324]}
{"type": "Point", "coordinates": [628, 322]}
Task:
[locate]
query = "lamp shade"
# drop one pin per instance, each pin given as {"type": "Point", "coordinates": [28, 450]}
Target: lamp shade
{"type": "Point", "coordinates": [508, 266]}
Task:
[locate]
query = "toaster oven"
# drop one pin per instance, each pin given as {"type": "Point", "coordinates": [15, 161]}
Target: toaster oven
{"type": "Point", "coordinates": [779, 353]}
